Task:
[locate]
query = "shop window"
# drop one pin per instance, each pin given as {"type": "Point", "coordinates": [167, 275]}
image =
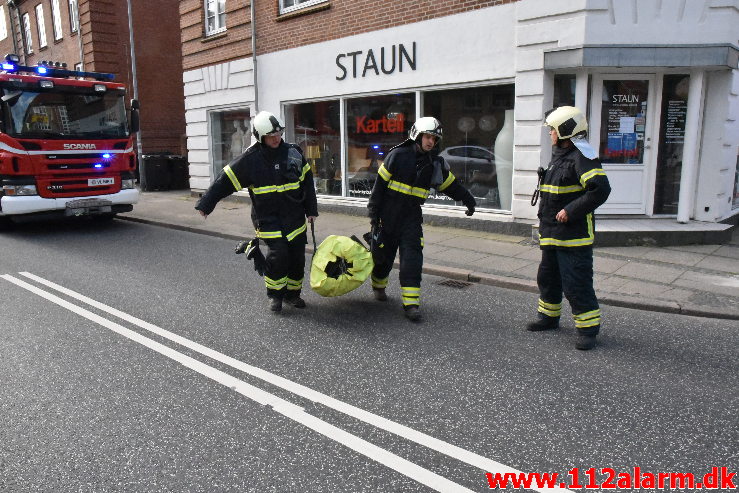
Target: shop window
{"type": "Point", "coordinates": [215, 16]}
{"type": "Point", "coordinates": [671, 141]}
{"type": "Point", "coordinates": [317, 131]}
{"type": "Point", "coordinates": [231, 135]}
{"type": "Point", "coordinates": [374, 125]}
{"type": "Point", "coordinates": [478, 141]}
{"type": "Point", "coordinates": [564, 90]}
{"type": "Point", "coordinates": [623, 121]}
{"type": "Point", "coordinates": [287, 6]}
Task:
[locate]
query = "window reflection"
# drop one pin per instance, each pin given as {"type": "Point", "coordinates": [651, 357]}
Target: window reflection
{"type": "Point", "coordinates": [374, 126]}
{"type": "Point", "coordinates": [317, 132]}
{"type": "Point", "coordinates": [478, 140]}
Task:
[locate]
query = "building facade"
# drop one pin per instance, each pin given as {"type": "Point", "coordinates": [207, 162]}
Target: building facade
{"type": "Point", "coordinates": [93, 36]}
{"type": "Point", "coordinates": [658, 80]}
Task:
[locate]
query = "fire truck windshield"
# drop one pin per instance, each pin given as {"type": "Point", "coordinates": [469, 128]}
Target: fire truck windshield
{"type": "Point", "coordinates": [65, 115]}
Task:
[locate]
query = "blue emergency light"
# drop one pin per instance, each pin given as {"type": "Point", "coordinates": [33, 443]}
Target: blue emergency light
{"type": "Point", "coordinates": [8, 67]}
{"type": "Point", "coordinates": [107, 156]}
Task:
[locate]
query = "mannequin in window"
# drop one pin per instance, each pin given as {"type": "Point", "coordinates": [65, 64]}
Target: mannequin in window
{"type": "Point", "coordinates": [238, 140]}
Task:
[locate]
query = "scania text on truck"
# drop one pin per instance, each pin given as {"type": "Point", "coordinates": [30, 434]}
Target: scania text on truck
{"type": "Point", "coordinates": [66, 145]}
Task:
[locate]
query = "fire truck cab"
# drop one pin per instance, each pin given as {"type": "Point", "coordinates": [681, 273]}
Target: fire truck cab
{"type": "Point", "coordinates": [66, 146]}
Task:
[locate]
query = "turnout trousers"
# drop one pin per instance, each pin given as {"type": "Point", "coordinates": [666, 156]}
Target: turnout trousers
{"type": "Point", "coordinates": [409, 240]}
{"type": "Point", "coordinates": [285, 260]}
{"type": "Point", "coordinates": [569, 271]}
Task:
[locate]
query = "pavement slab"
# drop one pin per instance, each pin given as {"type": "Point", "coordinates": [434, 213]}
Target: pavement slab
{"type": "Point", "coordinates": [700, 280]}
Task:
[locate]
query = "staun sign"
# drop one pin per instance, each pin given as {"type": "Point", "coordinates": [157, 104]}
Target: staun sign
{"type": "Point", "coordinates": [386, 61]}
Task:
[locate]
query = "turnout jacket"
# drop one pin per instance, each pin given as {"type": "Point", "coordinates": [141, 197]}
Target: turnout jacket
{"type": "Point", "coordinates": [579, 186]}
{"type": "Point", "coordinates": [280, 185]}
{"type": "Point", "coordinates": [403, 184]}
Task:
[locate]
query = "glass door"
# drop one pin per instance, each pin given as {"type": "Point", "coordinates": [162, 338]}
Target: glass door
{"type": "Point", "coordinates": [622, 116]}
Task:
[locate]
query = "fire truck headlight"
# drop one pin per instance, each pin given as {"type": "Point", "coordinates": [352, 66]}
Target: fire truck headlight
{"type": "Point", "coordinates": [20, 190]}
{"type": "Point", "coordinates": [128, 184]}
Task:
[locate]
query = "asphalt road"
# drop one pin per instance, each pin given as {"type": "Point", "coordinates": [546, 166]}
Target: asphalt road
{"type": "Point", "coordinates": [180, 379]}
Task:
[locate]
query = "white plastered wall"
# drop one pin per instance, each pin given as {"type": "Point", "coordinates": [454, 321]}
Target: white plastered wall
{"type": "Point", "coordinates": [542, 25]}
{"type": "Point", "coordinates": [719, 147]}
{"type": "Point", "coordinates": [213, 88]}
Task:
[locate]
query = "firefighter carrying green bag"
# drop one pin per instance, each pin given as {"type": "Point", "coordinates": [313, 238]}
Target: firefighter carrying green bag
{"type": "Point", "coordinates": [340, 265]}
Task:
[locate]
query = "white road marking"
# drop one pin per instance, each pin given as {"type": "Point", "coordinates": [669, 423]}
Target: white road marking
{"type": "Point", "coordinates": [286, 408]}
{"type": "Point", "coordinates": [471, 458]}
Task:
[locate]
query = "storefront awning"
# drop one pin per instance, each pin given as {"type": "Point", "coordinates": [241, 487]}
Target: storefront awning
{"type": "Point", "coordinates": [698, 56]}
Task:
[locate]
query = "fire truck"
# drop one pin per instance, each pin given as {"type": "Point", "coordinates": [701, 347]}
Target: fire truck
{"type": "Point", "coordinates": [66, 144]}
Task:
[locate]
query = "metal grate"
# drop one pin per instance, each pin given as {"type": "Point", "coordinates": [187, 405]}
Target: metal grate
{"type": "Point", "coordinates": [455, 284]}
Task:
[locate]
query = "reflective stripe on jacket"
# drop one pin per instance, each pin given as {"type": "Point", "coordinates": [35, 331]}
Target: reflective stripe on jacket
{"type": "Point", "coordinates": [404, 182]}
{"type": "Point", "coordinates": [280, 184]}
{"type": "Point", "coordinates": [579, 186]}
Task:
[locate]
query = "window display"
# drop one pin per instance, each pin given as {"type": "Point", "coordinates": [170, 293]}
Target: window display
{"type": "Point", "coordinates": [317, 132]}
{"type": "Point", "coordinates": [478, 140]}
{"type": "Point", "coordinates": [623, 121]}
{"type": "Point", "coordinates": [374, 126]}
{"type": "Point", "coordinates": [231, 134]}
{"type": "Point", "coordinates": [671, 141]}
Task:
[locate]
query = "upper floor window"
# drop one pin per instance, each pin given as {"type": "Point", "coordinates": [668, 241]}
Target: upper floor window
{"type": "Point", "coordinates": [3, 25]}
{"type": "Point", "coordinates": [73, 16]}
{"type": "Point", "coordinates": [215, 16]}
{"type": "Point", "coordinates": [287, 6]}
{"type": "Point", "coordinates": [56, 18]}
{"type": "Point", "coordinates": [41, 26]}
{"type": "Point", "coordinates": [27, 32]}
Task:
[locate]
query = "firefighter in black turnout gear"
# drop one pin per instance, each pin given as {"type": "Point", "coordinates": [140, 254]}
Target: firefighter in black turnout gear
{"type": "Point", "coordinates": [280, 185]}
{"type": "Point", "coordinates": [404, 181]}
{"type": "Point", "coordinates": [571, 188]}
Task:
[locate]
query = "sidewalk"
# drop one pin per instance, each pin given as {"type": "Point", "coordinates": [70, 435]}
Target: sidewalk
{"type": "Point", "coordinates": [698, 280]}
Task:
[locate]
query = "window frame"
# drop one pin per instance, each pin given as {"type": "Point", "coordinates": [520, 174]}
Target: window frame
{"type": "Point", "coordinates": [28, 38]}
{"type": "Point", "coordinates": [73, 16]}
{"type": "Point", "coordinates": [299, 6]}
{"type": "Point", "coordinates": [56, 20]}
{"type": "Point", "coordinates": [218, 27]}
{"type": "Point", "coordinates": [41, 26]}
{"type": "Point", "coordinates": [3, 24]}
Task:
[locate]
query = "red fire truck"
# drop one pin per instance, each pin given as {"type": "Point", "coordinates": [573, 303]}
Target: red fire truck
{"type": "Point", "coordinates": [66, 146]}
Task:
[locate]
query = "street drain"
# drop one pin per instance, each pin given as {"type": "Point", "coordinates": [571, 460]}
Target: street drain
{"type": "Point", "coordinates": [455, 284]}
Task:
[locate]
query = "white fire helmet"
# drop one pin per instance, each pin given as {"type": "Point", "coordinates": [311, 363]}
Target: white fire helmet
{"type": "Point", "coordinates": [426, 125]}
{"type": "Point", "coordinates": [567, 121]}
{"type": "Point", "coordinates": [265, 123]}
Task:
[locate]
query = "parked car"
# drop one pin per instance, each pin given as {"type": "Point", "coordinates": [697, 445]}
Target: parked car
{"type": "Point", "coordinates": [466, 161]}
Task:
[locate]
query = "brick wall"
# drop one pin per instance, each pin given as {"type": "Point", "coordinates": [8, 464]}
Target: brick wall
{"type": "Point", "coordinates": [348, 17]}
{"type": "Point", "coordinates": [233, 44]}
{"type": "Point", "coordinates": [106, 47]}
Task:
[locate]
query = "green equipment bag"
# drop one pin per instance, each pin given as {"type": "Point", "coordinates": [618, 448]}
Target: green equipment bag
{"type": "Point", "coordinates": [340, 264]}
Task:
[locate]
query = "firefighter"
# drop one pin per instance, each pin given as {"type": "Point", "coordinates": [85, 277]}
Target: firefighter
{"type": "Point", "coordinates": [404, 181]}
{"type": "Point", "coordinates": [280, 185]}
{"type": "Point", "coordinates": [571, 188]}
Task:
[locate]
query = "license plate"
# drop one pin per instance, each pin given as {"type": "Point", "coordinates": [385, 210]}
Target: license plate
{"type": "Point", "coordinates": [88, 207]}
{"type": "Point", "coordinates": [99, 182]}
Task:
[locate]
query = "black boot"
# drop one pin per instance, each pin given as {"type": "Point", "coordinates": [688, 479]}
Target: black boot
{"type": "Point", "coordinates": [295, 301]}
{"type": "Point", "coordinates": [379, 294]}
{"type": "Point", "coordinates": [412, 313]}
{"type": "Point", "coordinates": [586, 338]}
{"type": "Point", "coordinates": [543, 323]}
{"type": "Point", "coordinates": [275, 304]}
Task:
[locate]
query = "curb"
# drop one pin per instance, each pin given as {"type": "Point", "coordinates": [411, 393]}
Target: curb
{"type": "Point", "coordinates": [458, 274]}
